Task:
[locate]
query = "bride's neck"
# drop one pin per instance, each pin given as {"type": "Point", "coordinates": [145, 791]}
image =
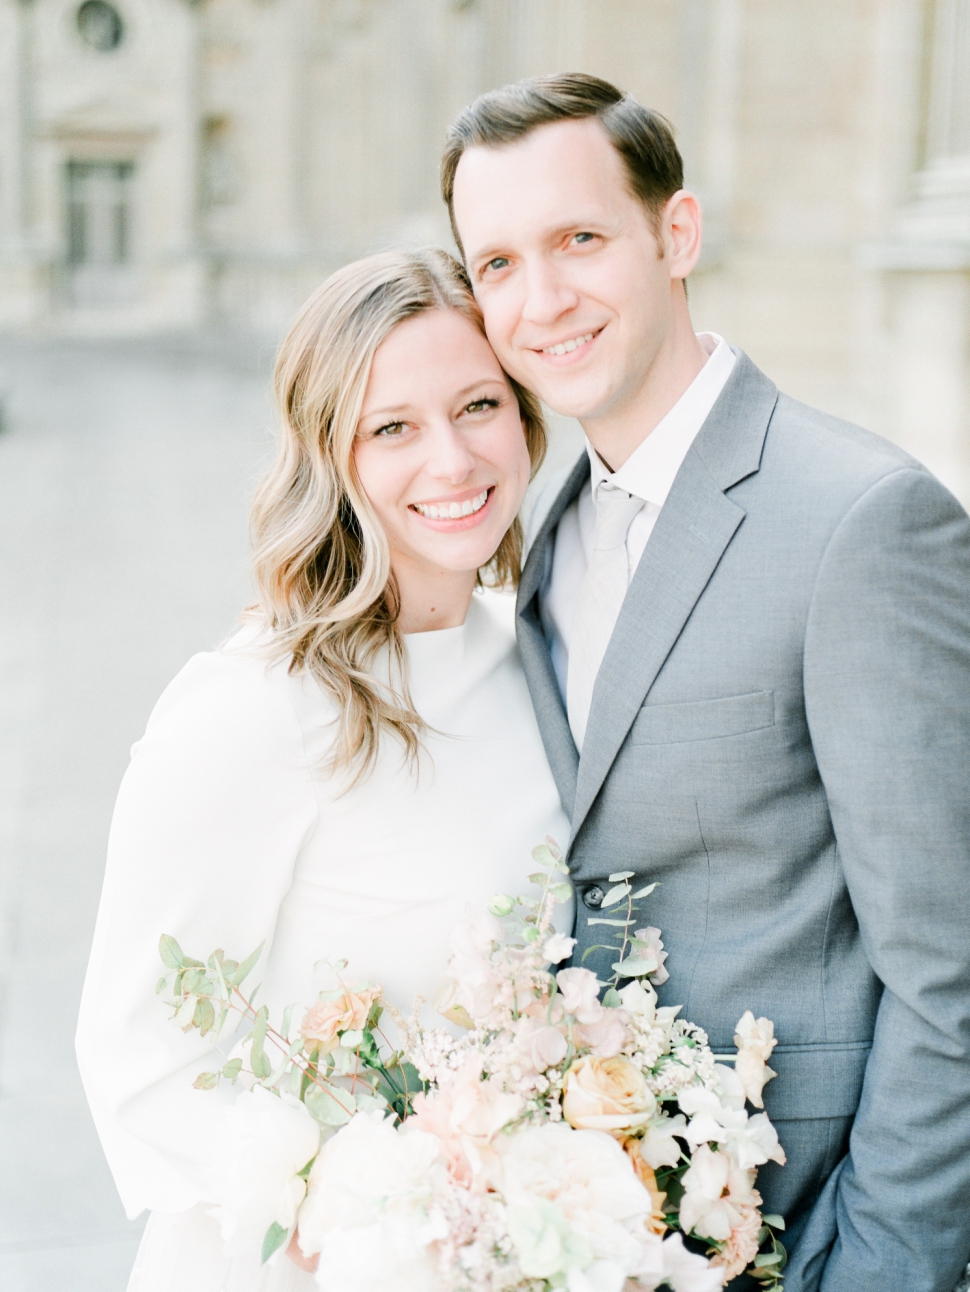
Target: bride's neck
{"type": "Point", "coordinates": [431, 598]}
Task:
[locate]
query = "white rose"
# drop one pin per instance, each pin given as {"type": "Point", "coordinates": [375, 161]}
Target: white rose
{"type": "Point", "coordinates": [371, 1174]}
{"type": "Point", "coordinates": [263, 1141]}
{"type": "Point", "coordinates": [589, 1179]}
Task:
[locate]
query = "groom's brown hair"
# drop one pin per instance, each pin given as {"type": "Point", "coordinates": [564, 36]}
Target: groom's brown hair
{"type": "Point", "coordinates": [644, 139]}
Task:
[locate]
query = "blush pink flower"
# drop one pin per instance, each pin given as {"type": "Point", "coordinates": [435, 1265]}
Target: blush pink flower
{"type": "Point", "coordinates": [346, 1011]}
{"type": "Point", "coordinates": [580, 994]}
{"type": "Point", "coordinates": [742, 1245]}
{"type": "Point", "coordinates": [466, 1113]}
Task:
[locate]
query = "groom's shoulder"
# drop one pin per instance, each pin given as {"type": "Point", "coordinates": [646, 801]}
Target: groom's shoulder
{"type": "Point", "coordinates": [818, 454]}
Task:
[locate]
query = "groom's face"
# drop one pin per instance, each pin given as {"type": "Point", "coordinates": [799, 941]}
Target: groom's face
{"type": "Point", "coordinates": [567, 266]}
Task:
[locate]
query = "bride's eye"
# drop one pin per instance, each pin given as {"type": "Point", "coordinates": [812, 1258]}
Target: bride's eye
{"type": "Point", "coordinates": [479, 405]}
{"type": "Point", "coordinates": [392, 430]}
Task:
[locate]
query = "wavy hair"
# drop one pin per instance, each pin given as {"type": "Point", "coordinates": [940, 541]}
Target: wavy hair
{"type": "Point", "coordinates": [321, 558]}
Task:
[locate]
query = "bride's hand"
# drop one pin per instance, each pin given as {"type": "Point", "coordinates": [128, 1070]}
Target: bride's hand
{"type": "Point", "coordinates": [308, 1263]}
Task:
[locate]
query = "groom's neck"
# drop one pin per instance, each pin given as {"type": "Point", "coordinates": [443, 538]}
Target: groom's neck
{"type": "Point", "coordinates": [649, 395]}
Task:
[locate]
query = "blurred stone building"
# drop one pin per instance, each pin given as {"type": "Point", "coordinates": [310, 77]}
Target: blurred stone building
{"type": "Point", "coordinates": [166, 164]}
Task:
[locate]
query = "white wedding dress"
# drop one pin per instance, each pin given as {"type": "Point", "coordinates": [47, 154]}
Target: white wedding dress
{"type": "Point", "coordinates": [227, 832]}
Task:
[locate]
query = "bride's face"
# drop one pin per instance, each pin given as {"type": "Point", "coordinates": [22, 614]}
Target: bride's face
{"type": "Point", "coordinates": [440, 449]}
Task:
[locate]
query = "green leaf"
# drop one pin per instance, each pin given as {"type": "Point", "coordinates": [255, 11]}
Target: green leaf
{"type": "Point", "coordinates": [259, 1061]}
{"type": "Point", "coordinates": [611, 998]}
{"type": "Point", "coordinates": [621, 875]}
{"type": "Point", "coordinates": [634, 967]}
{"type": "Point", "coordinates": [216, 959]}
{"type": "Point", "coordinates": [285, 1025]}
{"type": "Point", "coordinates": [560, 892]}
{"type": "Point", "coordinates": [205, 1016]}
{"type": "Point", "coordinates": [244, 969]}
{"type": "Point", "coordinates": [170, 951]}
{"type": "Point", "coordinates": [767, 1258]}
{"type": "Point", "coordinates": [617, 924]}
{"type": "Point", "coordinates": [232, 1069]}
{"type": "Point", "coordinates": [192, 981]}
{"type": "Point", "coordinates": [530, 935]}
{"type": "Point", "coordinates": [614, 895]}
{"type": "Point", "coordinates": [544, 855]}
{"type": "Point", "coordinates": [644, 892]}
{"type": "Point", "coordinates": [327, 1109]}
{"type": "Point", "coordinates": [501, 904]}
{"type": "Point", "coordinates": [276, 1236]}
{"type": "Point", "coordinates": [538, 878]}
{"type": "Point", "coordinates": [160, 985]}
{"type": "Point", "coordinates": [776, 1222]}
{"type": "Point", "coordinates": [260, 1026]}
{"type": "Point", "coordinates": [206, 1081]}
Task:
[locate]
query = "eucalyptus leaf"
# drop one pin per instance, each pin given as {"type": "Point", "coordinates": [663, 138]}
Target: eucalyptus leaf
{"type": "Point", "coordinates": [614, 895]}
{"type": "Point", "coordinates": [170, 951]}
{"type": "Point", "coordinates": [285, 1025]}
{"type": "Point", "coordinates": [260, 1026]}
{"type": "Point", "coordinates": [259, 1061]}
{"type": "Point", "coordinates": [560, 892]}
{"type": "Point", "coordinates": [206, 1081]}
{"type": "Point", "coordinates": [612, 999]}
{"type": "Point", "coordinates": [215, 960]}
{"type": "Point", "coordinates": [160, 985]}
{"type": "Point", "coordinates": [644, 892]}
{"type": "Point", "coordinates": [543, 854]}
{"type": "Point", "coordinates": [327, 1109]}
{"type": "Point", "coordinates": [617, 924]}
{"type": "Point", "coordinates": [232, 1069]}
{"type": "Point", "coordinates": [621, 875]}
{"type": "Point", "coordinates": [776, 1222]}
{"type": "Point", "coordinates": [205, 1016]}
{"type": "Point", "coordinates": [634, 967]}
{"type": "Point", "coordinates": [767, 1258]}
{"type": "Point", "coordinates": [245, 968]}
{"type": "Point", "coordinates": [276, 1236]}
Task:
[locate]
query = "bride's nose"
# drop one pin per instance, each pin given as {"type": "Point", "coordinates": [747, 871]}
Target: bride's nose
{"type": "Point", "coordinates": [449, 457]}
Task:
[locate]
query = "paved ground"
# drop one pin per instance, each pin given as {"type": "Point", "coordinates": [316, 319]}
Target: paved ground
{"type": "Point", "coordinates": [124, 474]}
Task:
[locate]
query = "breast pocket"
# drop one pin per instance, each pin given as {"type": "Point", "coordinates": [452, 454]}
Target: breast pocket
{"type": "Point", "coordinates": [734, 715]}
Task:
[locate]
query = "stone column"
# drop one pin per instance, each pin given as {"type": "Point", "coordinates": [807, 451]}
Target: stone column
{"type": "Point", "coordinates": [926, 267]}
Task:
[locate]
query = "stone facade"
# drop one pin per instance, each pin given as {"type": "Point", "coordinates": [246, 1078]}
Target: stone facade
{"type": "Point", "coordinates": [166, 165]}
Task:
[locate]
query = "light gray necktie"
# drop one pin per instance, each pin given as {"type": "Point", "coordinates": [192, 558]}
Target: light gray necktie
{"type": "Point", "coordinates": [601, 594]}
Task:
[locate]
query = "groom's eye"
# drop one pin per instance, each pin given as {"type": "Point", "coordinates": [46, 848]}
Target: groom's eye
{"type": "Point", "coordinates": [583, 237]}
{"type": "Point", "coordinates": [499, 262]}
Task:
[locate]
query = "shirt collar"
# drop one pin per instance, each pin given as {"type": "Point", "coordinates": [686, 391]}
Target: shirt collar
{"type": "Point", "coordinates": [649, 471]}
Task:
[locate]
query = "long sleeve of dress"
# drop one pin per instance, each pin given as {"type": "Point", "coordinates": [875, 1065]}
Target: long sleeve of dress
{"type": "Point", "coordinates": [212, 814]}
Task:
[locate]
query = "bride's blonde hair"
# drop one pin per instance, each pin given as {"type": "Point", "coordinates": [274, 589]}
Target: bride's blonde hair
{"type": "Point", "coordinates": [321, 557]}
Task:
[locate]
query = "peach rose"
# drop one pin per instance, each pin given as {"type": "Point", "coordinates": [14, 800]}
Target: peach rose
{"type": "Point", "coordinates": [606, 1094]}
{"type": "Point", "coordinates": [347, 1011]}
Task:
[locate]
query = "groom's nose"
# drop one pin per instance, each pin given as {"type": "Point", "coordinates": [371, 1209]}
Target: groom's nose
{"type": "Point", "coordinates": [547, 293]}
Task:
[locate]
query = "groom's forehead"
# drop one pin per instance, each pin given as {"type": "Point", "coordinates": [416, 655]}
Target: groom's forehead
{"type": "Point", "coordinates": [557, 174]}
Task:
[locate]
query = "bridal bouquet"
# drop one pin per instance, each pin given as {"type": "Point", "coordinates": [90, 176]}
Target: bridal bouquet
{"type": "Point", "coordinates": [561, 1140]}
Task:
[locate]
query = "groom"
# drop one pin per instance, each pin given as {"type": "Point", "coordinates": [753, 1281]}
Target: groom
{"type": "Point", "coordinates": [746, 628]}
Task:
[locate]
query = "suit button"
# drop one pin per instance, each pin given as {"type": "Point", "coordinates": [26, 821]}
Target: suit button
{"type": "Point", "coordinates": [593, 897]}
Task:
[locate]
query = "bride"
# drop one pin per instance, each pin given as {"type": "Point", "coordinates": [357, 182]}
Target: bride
{"type": "Point", "coordinates": [359, 764]}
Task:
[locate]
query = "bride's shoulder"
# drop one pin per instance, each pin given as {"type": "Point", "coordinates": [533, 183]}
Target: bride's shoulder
{"type": "Point", "coordinates": [243, 694]}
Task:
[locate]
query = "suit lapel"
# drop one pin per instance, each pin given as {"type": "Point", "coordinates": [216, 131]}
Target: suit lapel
{"type": "Point", "coordinates": [540, 675]}
{"type": "Point", "coordinates": [695, 525]}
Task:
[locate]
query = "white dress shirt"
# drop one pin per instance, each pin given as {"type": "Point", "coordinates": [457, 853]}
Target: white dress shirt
{"type": "Point", "coordinates": [648, 473]}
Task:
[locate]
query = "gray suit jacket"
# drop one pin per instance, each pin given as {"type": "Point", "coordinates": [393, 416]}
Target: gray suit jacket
{"type": "Point", "coordinates": [780, 734]}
